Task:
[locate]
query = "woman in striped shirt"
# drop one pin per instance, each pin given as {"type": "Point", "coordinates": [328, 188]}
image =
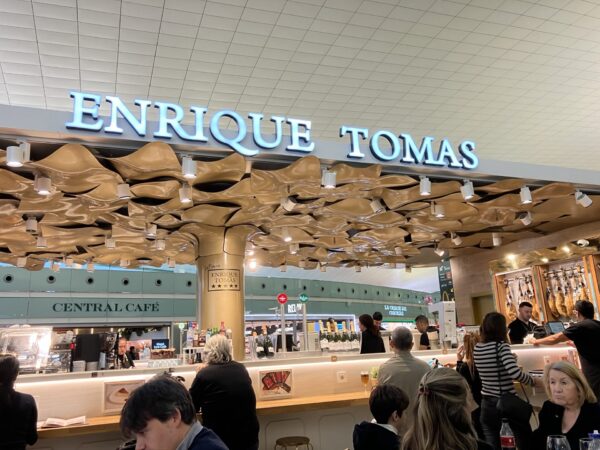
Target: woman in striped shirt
{"type": "Point", "coordinates": [498, 369]}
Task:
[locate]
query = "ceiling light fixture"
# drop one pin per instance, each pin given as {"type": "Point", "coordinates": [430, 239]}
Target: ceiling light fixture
{"type": "Point", "coordinates": [398, 251]}
{"type": "Point", "coordinates": [185, 193]}
{"type": "Point", "coordinates": [439, 251]}
{"type": "Point", "coordinates": [566, 249]}
{"type": "Point", "coordinates": [467, 190]}
{"type": "Point", "coordinates": [408, 268]}
{"type": "Point", "coordinates": [496, 239]}
{"type": "Point", "coordinates": [328, 179]}
{"type": "Point", "coordinates": [456, 239]}
{"type": "Point", "coordinates": [21, 261]}
{"type": "Point", "coordinates": [55, 267]}
{"type": "Point", "coordinates": [248, 168]}
{"type": "Point", "coordinates": [109, 242]}
{"type": "Point", "coordinates": [123, 263]}
{"type": "Point", "coordinates": [171, 262]}
{"type": "Point", "coordinates": [438, 210]}
{"type": "Point", "coordinates": [377, 206]}
{"type": "Point", "coordinates": [31, 225]}
{"type": "Point", "coordinates": [151, 230]}
{"type": "Point", "coordinates": [294, 248]}
{"type": "Point", "coordinates": [69, 261]}
{"type": "Point", "coordinates": [188, 167]}
{"type": "Point", "coordinates": [250, 250]}
{"type": "Point", "coordinates": [425, 186]}
{"type": "Point", "coordinates": [42, 185]}
{"type": "Point", "coordinates": [252, 264]}
{"type": "Point", "coordinates": [161, 244]}
{"type": "Point", "coordinates": [41, 242]}
{"type": "Point", "coordinates": [123, 191]}
{"type": "Point", "coordinates": [90, 266]}
{"type": "Point", "coordinates": [511, 257]}
{"type": "Point", "coordinates": [283, 268]}
{"type": "Point", "coordinates": [582, 199]}
{"type": "Point", "coordinates": [545, 260]}
{"type": "Point", "coordinates": [286, 235]}
{"type": "Point", "coordinates": [322, 267]}
{"type": "Point", "coordinates": [525, 195]}
{"type": "Point", "coordinates": [525, 217]}
{"type": "Point", "coordinates": [288, 203]}
{"type": "Point", "coordinates": [16, 156]}
{"type": "Point", "coordinates": [358, 268]}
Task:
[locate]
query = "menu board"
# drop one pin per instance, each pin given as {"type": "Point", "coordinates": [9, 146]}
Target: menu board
{"type": "Point", "coordinates": [445, 279]}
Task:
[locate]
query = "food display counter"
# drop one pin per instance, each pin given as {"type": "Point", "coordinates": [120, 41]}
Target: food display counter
{"type": "Point", "coordinates": [323, 400]}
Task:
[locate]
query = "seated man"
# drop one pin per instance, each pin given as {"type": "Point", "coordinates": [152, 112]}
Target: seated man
{"type": "Point", "coordinates": [387, 403]}
{"type": "Point", "coordinates": [161, 416]}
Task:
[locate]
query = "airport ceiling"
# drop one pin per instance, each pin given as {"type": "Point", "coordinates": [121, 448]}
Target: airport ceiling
{"type": "Point", "coordinates": [519, 78]}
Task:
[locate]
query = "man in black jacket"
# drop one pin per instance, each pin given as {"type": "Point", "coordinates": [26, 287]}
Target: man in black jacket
{"type": "Point", "coordinates": [387, 404]}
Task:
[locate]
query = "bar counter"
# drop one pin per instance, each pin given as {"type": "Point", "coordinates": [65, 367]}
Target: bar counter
{"type": "Point", "coordinates": [326, 400]}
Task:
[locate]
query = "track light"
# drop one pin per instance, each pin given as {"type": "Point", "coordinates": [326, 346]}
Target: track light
{"type": "Point", "coordinates": [151, 230]}
{"type": "Point", "coordinates": [55, 267]}
{"type": "Point", "coordinates": [526, 218]}
{"type": "Point", "coordinates": [302, 264]}
{"type": "Point", "coordinates": [283, 268]}
{"type": "Point", "coordinates": [398, 251]}
{"type": "Point", "coordinates": [109, 242]}
{"type": "Point", "coordinates": [21, 261]}
{"type": "Point", "coordinates": [188, 167]}
{"type": "Point", "coordinates": [41, 242]}
{"type": "Point", "coordinates": [425, 186]}
{"type": "Point", "coordinates": [31, 225]}
{"type": "Point", "coordinates": [288, 203]}
{"type": "Point", "coordinates": [496, 239]}
{"type": "Point", "coordinates": [90, 266]}
{"type": "Point", "coordinates": [43, 185]}
{"type": "Point", "coordinates": [69, 261]}
{"type": "Point", "coordinates": [407, 268]}
{"type": "Point", "coordinates": [294, 248]}
{"type": "Point", "coordinates": [123, 263]}
{"type": "Point", "coordinates": [439, 251]}
{"type": "Point", "coordinates": [160, 244]}
{"type": "Point", "coordinates": [322, 267]}
{"type": "Point", "coordinates": [248, 168]}
{"type": "Point", "coordinates": [185, 193]}
{"type": "Point", "coordinates": [358, 268]}
{"type": "Point", "coordinates": [456, 239]}
{"type": "Point", "coordinates": [286, 235]}
{"type": "Point", "coordinates": [377, 206]}
{"type": "Point", "coordinates": [328, 179]}
{"type": "Point", "coordinates": [582, 199]}
{"type": "Point", "coordinates": [123, 191]}
{"type": "Point", "coordinates": [438, 210]}
{"type": "Point", "coordinates": [525, 195]}
{"type": "Point", "coordinates": [252, 264]}
{"type": "Point", "coordinates": [16, 156]}
{"type": "Point", "coordinates": [467, 190]}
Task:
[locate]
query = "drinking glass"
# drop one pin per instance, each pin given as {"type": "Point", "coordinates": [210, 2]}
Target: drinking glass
{"type": "Point", "coordinates": [364, 378]}
{"type": "Point", "coordinates": [557, 442]}
{"type": "Point", "coordinates": [589, 444]}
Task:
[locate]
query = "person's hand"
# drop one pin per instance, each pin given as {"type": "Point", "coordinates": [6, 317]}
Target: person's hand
{"type": "Point", "coordinates": [460, 353]}
{"type": "Point", "coordinates": [535, 342]}
{"type": "Point", "coordinates": [571, 343]}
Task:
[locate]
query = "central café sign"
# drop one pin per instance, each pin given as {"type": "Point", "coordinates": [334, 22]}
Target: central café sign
{"type": "Point", "coordinates": [384, 145]}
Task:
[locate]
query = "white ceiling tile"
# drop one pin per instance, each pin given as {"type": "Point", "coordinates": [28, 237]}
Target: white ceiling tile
{"type": "Point", "coordinates": [146, 25]}
{"type": "Point", "coordinates": [62, 84]}
{"type": "Point", "coordinates": [192, 6]}
{"type": "Point", "coordinates": [17, 20]}
{"type": "Point", "coordinates": [54, 11]}
{"type": "Point", "coordinates": [15, 6]}
{"type": "Point", "coordinates": [138, 36]}
{"type": "Point", "coordinates": [222, 10]}
{"type": "Point", "coordinates": [69, 51]}
{"type": "Point", "coordinates": [8, 56]}
{"type": "Point", "coordinates": [182, 17]}
{"type": "Point", "coordinates": [148, 12]}
{"type": "Point", "coordinates": [95, 17]}
{"type": "Point", "coordinates": [173, 52]}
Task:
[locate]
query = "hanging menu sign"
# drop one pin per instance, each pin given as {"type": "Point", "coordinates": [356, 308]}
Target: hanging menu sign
{"type": "Point", "coordinates": [445, 279]}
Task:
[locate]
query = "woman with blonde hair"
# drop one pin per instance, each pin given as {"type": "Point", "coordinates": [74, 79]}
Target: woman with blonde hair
{"type": "Point", "coordinates": [572, 408]}
{"type": "Point", "coordinates": [442, 414]}
{"type": "Point", "coordinates": [223, 392]}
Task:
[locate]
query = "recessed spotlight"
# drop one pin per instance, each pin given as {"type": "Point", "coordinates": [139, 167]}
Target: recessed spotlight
{"type": "Point", "coordinates": [123, 191]}
{"type": "Point", "coordinates": [525, 195]}
{"type": "Point", "coordinates": [328, 179]}
{"type": "Point", "coordinates": [467, 190]}
{"type": "Point", "coordinates": [425, 186]}
{"type": "Point", "coordinates": [582, 199]}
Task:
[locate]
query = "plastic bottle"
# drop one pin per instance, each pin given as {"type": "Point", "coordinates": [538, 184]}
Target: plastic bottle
{"type": "Point", "coordinates": [507, 437]}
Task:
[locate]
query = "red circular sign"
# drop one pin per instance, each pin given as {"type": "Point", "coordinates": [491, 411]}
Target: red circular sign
{"type": "Point", "coordinates": [282, 298]}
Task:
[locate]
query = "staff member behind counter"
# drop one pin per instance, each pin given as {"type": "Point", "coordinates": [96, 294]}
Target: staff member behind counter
{"type": "Point", "coordinates": [521, 326]}
{"type": "Point", "coordinates": [422, 324]}
{"type": "Point", "coordinates": [124, 360]}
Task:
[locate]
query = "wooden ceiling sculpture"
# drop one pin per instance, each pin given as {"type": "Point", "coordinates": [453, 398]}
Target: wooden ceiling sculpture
{"type": "Point", "coordinates": [140, 209]}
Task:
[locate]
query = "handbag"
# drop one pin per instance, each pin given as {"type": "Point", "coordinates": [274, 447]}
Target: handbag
{"type": "Point", "coordinates": [509, 405]}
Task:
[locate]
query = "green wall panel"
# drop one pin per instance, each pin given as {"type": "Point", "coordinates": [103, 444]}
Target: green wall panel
{"type": "Point", "coordinates": [14, 279]}
{"type": "Point", "coordinates": [157, 282]}
{"type": "Point", "coordinates": [13, 307]}
{"type": "Point", "coordinates": [125, 282]}
{"type": "Point", "coordinates": [94, 282]}
{"type": "Point", "coordinates": [46, 280]}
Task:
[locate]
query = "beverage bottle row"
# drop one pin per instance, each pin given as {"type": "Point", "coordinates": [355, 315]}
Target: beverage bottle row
{"type": "Point", "coordinates": [334, 340]}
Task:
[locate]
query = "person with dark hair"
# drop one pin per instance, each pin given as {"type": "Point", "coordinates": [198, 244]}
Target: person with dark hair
{"type": "Point", "coordinates": [377, 319]}
{"type": "Point", "coordinates": [370, 341]}
{"type": "Point", "coordinates": [161, 416]}
{"type": "Point", "coordinates": [585, 334]}
{"type": "Point", "coordinates": [224, 383]}
{"type": "Point", "coordinates": [387, 404]}
{"type": "Point", "coordinates": [498, 369]}
{"type": "Point", "coordinates": [422, 324]}
{"type": "Point", "coordinates": [522, 325]}
{"type": "Point", "coordinates": [18, 413]}
{"type": "Point", "coordinates": [124, 360]}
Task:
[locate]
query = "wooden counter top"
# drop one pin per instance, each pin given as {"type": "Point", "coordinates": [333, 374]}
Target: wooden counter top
{"type": "Point", "coordinates": [108, 424]}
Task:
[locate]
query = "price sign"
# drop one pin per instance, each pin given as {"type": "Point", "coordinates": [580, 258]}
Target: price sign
{"type": "Point", "coordinates": [282, 298]}
{"type": "Point", "coordinates": [303, 298]}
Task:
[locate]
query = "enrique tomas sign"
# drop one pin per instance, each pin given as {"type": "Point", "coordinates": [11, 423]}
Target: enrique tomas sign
{"type": "Point", "coordinates": [383, 145]}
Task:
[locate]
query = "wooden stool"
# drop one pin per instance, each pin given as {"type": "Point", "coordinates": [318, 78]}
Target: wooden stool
{"type": "Point", "coordinates": [293, 442]}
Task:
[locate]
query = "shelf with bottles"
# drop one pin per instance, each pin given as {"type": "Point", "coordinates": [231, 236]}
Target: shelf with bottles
{"type": "Point", "coordinates": [333, 339]}
{"type": "Point", "coordinates": [514, 287]}
{"type": "Point", "coordinates": [261, 345]}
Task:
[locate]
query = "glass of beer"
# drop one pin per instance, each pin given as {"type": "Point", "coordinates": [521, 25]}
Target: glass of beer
{"type": "Point", "coordinates": [364, 378]}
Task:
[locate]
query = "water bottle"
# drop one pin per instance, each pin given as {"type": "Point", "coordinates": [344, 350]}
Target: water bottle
{"type": "Point", "coordinates": [507, 437]}
{"type": "Point", "coordinates": [596, 437]}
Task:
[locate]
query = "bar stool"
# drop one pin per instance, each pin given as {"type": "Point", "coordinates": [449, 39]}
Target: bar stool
{"type": "Point", "coordinates": [295, 442]}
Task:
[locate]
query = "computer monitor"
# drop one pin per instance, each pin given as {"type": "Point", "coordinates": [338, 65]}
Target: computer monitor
{"type": "Point", "coordinates": [555, 327]}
